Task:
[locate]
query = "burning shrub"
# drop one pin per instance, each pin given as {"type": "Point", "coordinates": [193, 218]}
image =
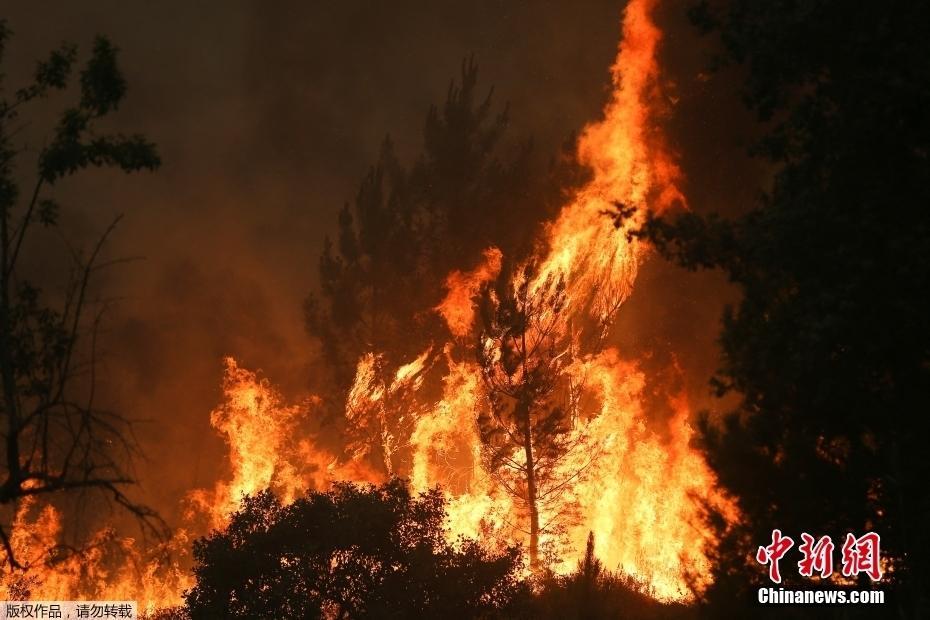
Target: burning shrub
{"type": "Point", "coordinates": [592, 592]}
{"type": "Point", "coordinates": [352, 552]}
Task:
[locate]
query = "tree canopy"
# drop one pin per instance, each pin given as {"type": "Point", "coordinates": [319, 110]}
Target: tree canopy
{"type": "Point", "coordinates": [410, 225]}
{"type": "Point", "coordinates": [531, 407]}
{"type": "Point", "coordinates": [828, 346]}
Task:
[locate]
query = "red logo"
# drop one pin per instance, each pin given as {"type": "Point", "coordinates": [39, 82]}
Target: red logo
{"type": "Point", "coordinates": [859, 555]}
{"type": "Point", "coordinates": [773, 553]}
{"type": "Point", "coordinates": [818, 556]}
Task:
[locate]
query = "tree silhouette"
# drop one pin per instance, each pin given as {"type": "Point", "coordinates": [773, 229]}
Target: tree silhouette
{"type": "Point", "coordinates": [829, 344]}
{"type": "Point", "coordinates": [378, 254]}
{"type": "Point", "coordinates": [55, 437]}
{"type": "Point", "coordinates": [351, 552]}
{"type": "Point", "coordinates": [527, 428]}
{"type": "Point", "coordinates": [410, 225]}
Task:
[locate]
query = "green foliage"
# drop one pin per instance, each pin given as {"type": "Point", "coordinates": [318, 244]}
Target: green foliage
{"type": "Point", "coordinates": [351, 552]}
{"type": "Point", "coordinates": [75, 144]}
{"type": "Point", "coordinates": [829, 344]}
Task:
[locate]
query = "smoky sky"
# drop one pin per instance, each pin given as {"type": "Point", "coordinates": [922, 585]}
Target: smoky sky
{"type": "Point", "coordinates": [268, 114]}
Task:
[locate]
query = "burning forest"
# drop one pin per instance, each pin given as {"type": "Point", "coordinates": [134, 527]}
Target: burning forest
{"type": "Point", "coordinates": [507, 402]}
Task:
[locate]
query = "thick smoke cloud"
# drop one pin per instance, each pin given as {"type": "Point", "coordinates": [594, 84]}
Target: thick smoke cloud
{"type": "Point", "coordinates": [267, 116]}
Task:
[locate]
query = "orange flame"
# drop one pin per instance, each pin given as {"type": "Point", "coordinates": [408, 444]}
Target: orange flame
{"type": "Point", "coordinates": [457, 308]}
{"type": "Point", "coordinates": [107, 567]}
{"type": "Point", "coordinates": [256, 427]}
{"type": "Point", "coordinates": [269, 447]}
{"type": "Point", "coordinates": [638, 490]}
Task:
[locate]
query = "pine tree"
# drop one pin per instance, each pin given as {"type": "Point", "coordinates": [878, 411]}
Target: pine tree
{"type": "Point", "coordinates": [526, 430]}
{"type": "Point", "coordinates": [409, 226]}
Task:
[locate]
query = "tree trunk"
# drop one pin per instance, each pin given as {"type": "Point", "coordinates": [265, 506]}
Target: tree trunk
{"type": "Point", "coordinates": [531, 491]}
{"type": "Point", "coordinates": [11, 484]}
{"type": "Point", "coordinates": [525, 414]}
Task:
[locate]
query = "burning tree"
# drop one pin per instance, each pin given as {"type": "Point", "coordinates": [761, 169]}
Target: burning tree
{"type": "Point", "coordinates": [544, 425]}
{"type": "Point", "coordinates": [411, 224]}
{"type": "Point", "coordinates": [56, 438]}
{"type": "Point", "coordinates": [528, 428]}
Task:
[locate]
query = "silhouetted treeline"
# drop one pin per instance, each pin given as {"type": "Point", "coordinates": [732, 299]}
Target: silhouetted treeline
{"type": "Point", "coordinates": [381, 552]}
{"type": "Point", "coordinates": [411, 224]}
{"type": "Point", "coordinates": [829, 346]}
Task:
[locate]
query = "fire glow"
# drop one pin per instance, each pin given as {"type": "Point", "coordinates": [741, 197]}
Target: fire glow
{"type": "Point", "coordinates": [638, 488]}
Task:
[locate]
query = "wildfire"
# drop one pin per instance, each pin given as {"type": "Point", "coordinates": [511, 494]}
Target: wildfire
{"type": "Point", "coordinates": [270, 446]}
{"type": "Point", "coordinates": [457, 308]}
{"type": "Point", "coordinates": [256, 426]}
{"type": "Point", "coordinates": [107, 567]}
{"type": "Point", "coordinates": [633, 486]}
{"type": "Point", "coordinates": [637, 488]}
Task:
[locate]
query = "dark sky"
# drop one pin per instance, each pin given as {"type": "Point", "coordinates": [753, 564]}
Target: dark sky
{"type": "Point", "coordinates": [268, 114]}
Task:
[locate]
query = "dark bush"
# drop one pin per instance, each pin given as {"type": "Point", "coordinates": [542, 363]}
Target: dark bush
{"type": "Point", "coordinates": [351, 552]}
